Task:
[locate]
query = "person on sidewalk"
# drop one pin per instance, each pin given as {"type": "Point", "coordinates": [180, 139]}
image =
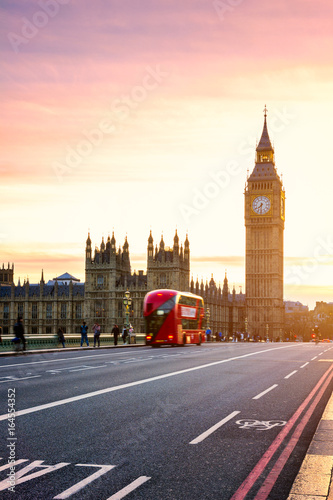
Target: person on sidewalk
{"type": "Point", "coordinates": [19, 331]}
{"type": "Point", "coordinates": [125, 335]}
{"type": "Point", "coordinates": [84, 334]}
{"type": "Point", "coordinates": [61, 336]}
{"type": "Point", "coordinates": [97, 332]}
{"type": "Point", "coordinates": [115, 331]}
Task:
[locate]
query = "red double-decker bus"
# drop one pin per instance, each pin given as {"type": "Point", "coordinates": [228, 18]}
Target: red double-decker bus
{"type": "Point", "coordinates": [173, 318]}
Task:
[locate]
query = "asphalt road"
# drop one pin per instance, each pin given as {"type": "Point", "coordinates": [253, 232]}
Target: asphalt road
{"type": "Point", "coordinates": [218, 421]}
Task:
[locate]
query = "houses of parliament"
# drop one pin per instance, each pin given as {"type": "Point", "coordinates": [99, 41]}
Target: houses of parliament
{"type": "Point", "coordinates": [65, 302]}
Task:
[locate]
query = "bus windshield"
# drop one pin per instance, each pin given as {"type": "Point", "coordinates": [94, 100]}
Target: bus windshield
{"type": "Point", "coordinates": [156, 319]}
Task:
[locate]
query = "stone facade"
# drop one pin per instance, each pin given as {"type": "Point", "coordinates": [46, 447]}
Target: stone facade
{"type": "Point", "coordinates": [66, 302]}
{"type": "Point", "coordinates": [6, 275]}
{"type": "Point", "coordinates": [264, 222]}
{"type": "Point", "coordinates": [226, 310]}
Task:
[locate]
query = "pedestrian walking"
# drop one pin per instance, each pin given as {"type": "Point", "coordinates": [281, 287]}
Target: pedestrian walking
{"type": "Point", "coordinates": [97, 332]}
{"type": "Point", "coordinates": [19, 331]}
{"type": "Point", "coordinates": [61, 336]}
{"type": "Point", "coordinates": [115, 331]}
{"type": "Point", "coordinates": [84, 334]}
{"type": "Point", "coordinates": [0, 334]}
{"type": "Point", "coordinates": [124, 335]}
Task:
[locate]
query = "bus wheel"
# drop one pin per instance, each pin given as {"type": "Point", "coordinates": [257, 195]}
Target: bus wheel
{"type": "Point", "coordinates": [199, 343]}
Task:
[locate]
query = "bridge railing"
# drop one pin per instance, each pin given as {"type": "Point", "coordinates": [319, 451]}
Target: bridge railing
{"type": "Point", "coordinates": [71, 340]}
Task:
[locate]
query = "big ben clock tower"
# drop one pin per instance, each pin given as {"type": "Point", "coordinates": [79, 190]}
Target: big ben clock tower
{"type": "Point", "coordinates": [264, 223]}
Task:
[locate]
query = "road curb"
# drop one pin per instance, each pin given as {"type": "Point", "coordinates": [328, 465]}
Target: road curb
{"type": "Point", "coordinates": [314, 480]}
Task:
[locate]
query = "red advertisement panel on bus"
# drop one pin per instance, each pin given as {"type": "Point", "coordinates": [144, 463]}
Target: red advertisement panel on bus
{"type": "Point", "coordinates": [173, 318]}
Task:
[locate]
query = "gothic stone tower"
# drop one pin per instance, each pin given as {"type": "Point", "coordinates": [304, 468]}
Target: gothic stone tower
{"type": "Point", "coordinates": [108, 274]}
{"type": "Point", "coordinates": [264, 223]}
{"type": "Point", "coordinates": [168, 267]}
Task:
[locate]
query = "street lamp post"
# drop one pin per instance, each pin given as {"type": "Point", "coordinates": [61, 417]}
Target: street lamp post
{"type": "Point", "coordinates": [127, 301]}
{"type": "Point", "coordinates": [246, 323]}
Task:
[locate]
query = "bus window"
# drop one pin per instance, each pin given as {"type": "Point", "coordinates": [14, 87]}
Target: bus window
{"type": "Point", "coordinates": [189, 324]}
{"type": "Point", "coordinates": [187, 301]}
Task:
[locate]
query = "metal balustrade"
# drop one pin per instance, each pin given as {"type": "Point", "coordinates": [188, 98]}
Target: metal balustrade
{"type": "Point", "coordinates": [34, 342]}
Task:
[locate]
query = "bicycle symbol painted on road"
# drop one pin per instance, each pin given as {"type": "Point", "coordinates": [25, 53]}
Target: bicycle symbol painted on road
{"type": "Point", "coordinates": [260, 425]}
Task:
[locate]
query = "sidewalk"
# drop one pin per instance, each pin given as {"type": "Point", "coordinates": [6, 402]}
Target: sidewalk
{"type": "Point", "coordinates": [314, 480]}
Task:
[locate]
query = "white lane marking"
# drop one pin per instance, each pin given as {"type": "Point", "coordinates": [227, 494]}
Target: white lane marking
{"type": "Point", "coordinates": [314, 358]}
{"type": "Point", "coordinates": [214, 428]}
{"type": "Point", "coordinates": [77, 487]}
{"type": "Point", "coordinates": [58, 370]}
{"type": "Point", "coordinates": [13, 464]}
{"type": "Point", "coordinates": [14, 379]}
{"type": "Point", "coordinates": [125, 359]}
{"type": "Point", "coordinates": [21, 477]}
{"type": "Point", "coordinates": [133, 384]}
{"type": "Point", "coordinates": [87, 368]}
{"type": "Point", "coordinates": [129, 488]}
{"type": "Point", "coordinates": [137, 359]}
{"type": "Point", "coordinates": [169, 355]}
{"type": "Point", "coordinates": [67, 359]}
{"type": "Point", "coordinates": [265, 392]}
{"type": "Point", "coordinates": [305, 364]}
{"type": "Point", "coordinates": [264, 425]}
{"type": "Point", "coordinates": [291, 374]}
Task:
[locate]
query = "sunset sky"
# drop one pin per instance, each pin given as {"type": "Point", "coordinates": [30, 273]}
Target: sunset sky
{"type": "Point", "coordinates": [131, 116]}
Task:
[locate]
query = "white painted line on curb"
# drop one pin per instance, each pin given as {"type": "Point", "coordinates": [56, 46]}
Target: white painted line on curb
{"type": "Point", "coordinates": [265, 392]}
{"type": "Point", "coordinates": [214, 428]}
{"type": "Point", "coordinates": [129, 488]}
{"type": "Point", "coordinates": [291, 374]}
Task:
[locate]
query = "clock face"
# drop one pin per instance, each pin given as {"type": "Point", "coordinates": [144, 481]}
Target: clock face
{"type": "Point", "coordinates": [261, 205]}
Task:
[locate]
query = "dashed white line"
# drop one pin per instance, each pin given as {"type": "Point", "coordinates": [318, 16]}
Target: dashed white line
{"type": "Point", "coordinates": [314, 358]}
{"type": "Point", "coordinates": [134, 360]}
{"type": "Point", "coordinates": [265, 392]}
{"type": "Point", "coordinates": [291, 374]}
{"type": "Point", "coordinates": [87, 357]}
{"type": "Point", "coordinates": [129, 488]}
{"type": "Point", "coordinates": [305, 364]}
{"type": "Point", "coordinates": [14, 379]}
{"type": "Point", "coordinates": [87, 368]}
{"type": "Point", "coordinates": [214, 428]}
